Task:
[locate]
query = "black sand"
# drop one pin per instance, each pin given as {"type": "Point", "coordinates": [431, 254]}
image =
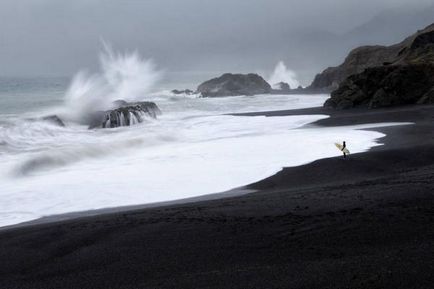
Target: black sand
{"type": "Point", "coordinates": [364, 222]}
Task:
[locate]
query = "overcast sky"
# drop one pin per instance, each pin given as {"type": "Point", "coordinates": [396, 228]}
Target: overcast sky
{"type": "Point", "coordinates": [195, 39]}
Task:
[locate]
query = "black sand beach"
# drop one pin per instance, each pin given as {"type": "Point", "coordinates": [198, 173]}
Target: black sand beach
{"type": "Point", "coordinates": [364, 222]}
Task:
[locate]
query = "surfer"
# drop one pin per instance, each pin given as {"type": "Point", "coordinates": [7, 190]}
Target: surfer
{"type": "Point", "coordinates": [344, 146]}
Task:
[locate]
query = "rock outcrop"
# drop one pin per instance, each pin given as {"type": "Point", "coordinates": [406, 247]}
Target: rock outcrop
{"type": "Point", "coordinates": [406, 75]}
{"type": "Point", "coordinates": [54, 119]}
{"type": "Point", "coordinates": [417, 48]}
{"type": "Point", "coordinates": [386, 86]}
{"type": "Point", "coordinates": [234, 84]}
{"type": "Point", "coordinates": [282, 87]}
{"type": "Point", "coordinates": [185, 91]}
{"type": "Point", "coordinates": [124, 114]}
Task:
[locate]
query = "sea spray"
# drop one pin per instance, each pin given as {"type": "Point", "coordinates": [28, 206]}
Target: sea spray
{"type": "Point", "coordinates": [125, 76]}
{"type": "Point", "coordinates": [282, 74]}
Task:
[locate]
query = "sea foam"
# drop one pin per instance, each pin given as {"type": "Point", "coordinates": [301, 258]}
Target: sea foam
{"type": "Point", "coordinates": [183, 154]}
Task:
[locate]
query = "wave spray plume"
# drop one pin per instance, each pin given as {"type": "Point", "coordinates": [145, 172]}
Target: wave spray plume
{"type": "Point", "coordinates": [125, 76]}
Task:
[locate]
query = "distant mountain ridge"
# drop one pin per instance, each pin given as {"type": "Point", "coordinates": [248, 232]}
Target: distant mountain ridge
{"type": "Point", "coordinates": [390, 26]}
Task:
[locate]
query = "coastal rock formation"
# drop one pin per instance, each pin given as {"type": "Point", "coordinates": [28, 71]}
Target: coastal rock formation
{"type": "Point", "coordinates": [234, 84]}
{"type": "Point", "coordinates": [407, 77]}
{"type": "Point", "coordinates": [125, 114]}
{"type": "Point", "coordinates": [417, 48]}
{"type": "Point", "coordinates": [54, 119]}
{"type": "Point", "coordinates": [386, 86]}
{"type": "Point", "coordinates": [185, 91]}
{"type": "Point", "coordinates": [282, 86]}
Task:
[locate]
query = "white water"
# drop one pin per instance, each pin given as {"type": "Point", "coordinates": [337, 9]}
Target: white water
{"type": "Point", "coordinates": [122, 76]}
{"type": "Point", "coordinates": [282, 74]}
{"type": "Point", "coordinates": [193, 149]}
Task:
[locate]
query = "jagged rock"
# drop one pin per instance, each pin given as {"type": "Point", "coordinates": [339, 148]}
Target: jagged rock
{"type": "Point", "coordinates": [54, 119]}
{"type": "Point", "coordinates": [126, 114]}
{"type": "Point", "coordinates": [418, 48]}
{"type": "Point", "coordinates": [386, 86]}
{"type": "Point", "coordinates": [358, 60]}
{"type": "Point", "coordinates": [234, 84]}
{"type": "Point", "coordinates": [185, 91]}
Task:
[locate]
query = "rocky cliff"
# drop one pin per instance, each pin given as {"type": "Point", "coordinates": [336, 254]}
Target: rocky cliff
{"type": "Point", "coordinates": [418, 48]}
{"type": "Point", "coordinates": [385, 86]}
{"type": "Point", "coordinates": [405, 76]}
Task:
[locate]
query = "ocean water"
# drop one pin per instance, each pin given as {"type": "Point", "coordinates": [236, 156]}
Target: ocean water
{"type": "Point", "coordinates": [196, 147]}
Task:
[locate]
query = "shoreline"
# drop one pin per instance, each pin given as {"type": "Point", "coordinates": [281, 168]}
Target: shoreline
{"type": "Point", "coordinates": [218, 195]}
{"type": "Point", "coordinates": [364, 222]}
{"type": "Point", "coordinates": [122, 209]}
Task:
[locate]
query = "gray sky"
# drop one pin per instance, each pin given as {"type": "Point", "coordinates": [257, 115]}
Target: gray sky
{"type": "Point", "coordinates": [193, 40]}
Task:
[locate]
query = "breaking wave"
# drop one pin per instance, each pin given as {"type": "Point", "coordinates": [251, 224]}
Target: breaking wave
{"type": "Point", "coordinates": [125, 76]}
{"type": "Point", "coordinates": [282, 74]}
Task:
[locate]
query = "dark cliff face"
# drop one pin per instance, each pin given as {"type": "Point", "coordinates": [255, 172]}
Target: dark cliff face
{"type": "Point", "coordinates": [390, 76]}
{"type": "Point", "coordinates": [234, 84]}
{"type": "Point", "coordinates": [358, 60]}
{"type": "Point", "coordinates": [417, 48]}
{"type": "Point", "coordinates": [386, 86]}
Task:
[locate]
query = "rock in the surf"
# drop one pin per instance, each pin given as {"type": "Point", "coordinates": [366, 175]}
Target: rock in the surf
{"type": "Point", "coordinates": [282, 87]}
{"type": "Point", "coordinates": [234, 84]}
{"type": "Point", "coordinates": [54, 119]}
{"type": "Point", "coordinates": [184, 91]}
{"type": "Point", "coordinates": [126, 114]}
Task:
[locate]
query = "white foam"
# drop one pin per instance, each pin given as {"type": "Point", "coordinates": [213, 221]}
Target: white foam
{"type": "Point", "coordinates": [193, 149]}
{"type": "Point", "coordinates": [282, 74]}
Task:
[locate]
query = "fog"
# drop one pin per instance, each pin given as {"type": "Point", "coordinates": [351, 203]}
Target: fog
{"type": "Point", "coordinates": [193, 40]}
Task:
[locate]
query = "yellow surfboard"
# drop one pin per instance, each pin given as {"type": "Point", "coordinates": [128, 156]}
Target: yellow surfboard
{"type": "Point", "coordinates": [341, 148]}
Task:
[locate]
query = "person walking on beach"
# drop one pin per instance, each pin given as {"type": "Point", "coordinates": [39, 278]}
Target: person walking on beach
{"type": "Point", "coordinates": [344, 146]}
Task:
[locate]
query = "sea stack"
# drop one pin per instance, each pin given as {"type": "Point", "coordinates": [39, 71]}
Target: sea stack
{"type": "Point", "coordinates": [234, 84]}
